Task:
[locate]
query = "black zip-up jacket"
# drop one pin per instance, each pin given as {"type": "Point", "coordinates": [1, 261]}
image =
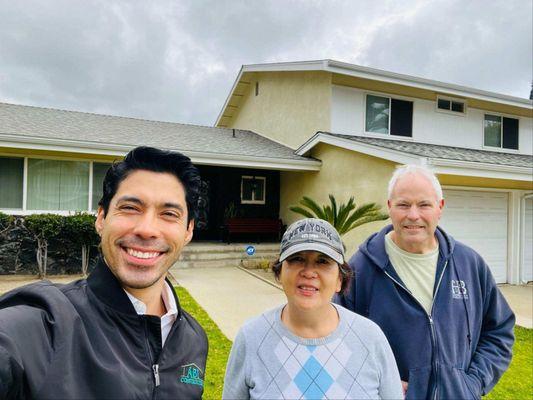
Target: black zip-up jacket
{"type": "Point", "coordinates": [85, 340]}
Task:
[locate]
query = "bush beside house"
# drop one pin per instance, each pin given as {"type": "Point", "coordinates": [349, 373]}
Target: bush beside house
{"type": "Point", "coordinates": [63, 244]}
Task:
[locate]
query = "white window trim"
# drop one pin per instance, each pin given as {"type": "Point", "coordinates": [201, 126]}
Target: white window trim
{"type": "Point", "coordinates": [257, 178]}
{"type": "Point", "coordinates": [450, 112]}
{"type": "Point", "coordinates": [501, 148]}
{"type": "Point", "coordinates": [24, 210]}
{"type": "Point", "coordinates": [388, 135]}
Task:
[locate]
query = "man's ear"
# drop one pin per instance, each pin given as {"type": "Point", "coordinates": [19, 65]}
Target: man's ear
{"type": "Point", "coordinates": [99, 223]}
{"type": "Point", "coordinates": [190, 230]}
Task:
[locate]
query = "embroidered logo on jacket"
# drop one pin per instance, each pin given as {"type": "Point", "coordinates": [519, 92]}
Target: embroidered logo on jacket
{"type": "Point", "coordinates": [192, 375]}
{"type": "Point", "coordinates": [459, 290]}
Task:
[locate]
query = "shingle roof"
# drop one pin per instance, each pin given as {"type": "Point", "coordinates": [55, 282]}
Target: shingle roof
{"type": "Point", "coordinates": [36, 122]}
{"type": "Point", "coordinates": [437, 151]}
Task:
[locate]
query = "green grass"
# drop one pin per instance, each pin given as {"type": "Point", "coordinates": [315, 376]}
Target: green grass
{"type": "Point", "coordinates": [517, 382]}
{"type": "Point", "coordinates": [219, 346]}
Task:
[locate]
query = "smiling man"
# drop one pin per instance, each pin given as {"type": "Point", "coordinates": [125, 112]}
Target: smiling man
{"type": "Point", "coordinates": [449, 326]}
{"type": "Point", "coordinates": [121, 332]}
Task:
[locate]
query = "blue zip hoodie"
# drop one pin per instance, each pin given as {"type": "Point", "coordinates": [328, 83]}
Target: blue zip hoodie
{"type": "Point", "coordinates": [460, 349]}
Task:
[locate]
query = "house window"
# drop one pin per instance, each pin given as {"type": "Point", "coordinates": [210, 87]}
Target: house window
{"type": "Point", "coordinates": [389, 116]}
{"type": "Point", "coordinates": [501, 132]}
{"type": "Point", "coordinates": [11, 182]}
{"type": "Point", "coordinates": [57, 185]}
{"type": "Point", "coordinates": [455, 106]}
{"type": "Point", "coordinates": [253, 189]}
{"type": "Point", "coordinates": [99, 171]}
{"type": "Point", "coordinates": [32, 184]}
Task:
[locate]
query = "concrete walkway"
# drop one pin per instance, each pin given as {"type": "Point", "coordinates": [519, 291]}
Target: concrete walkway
{"type": "Point", "coordinates": [229, 295]}
{"type": "Point", "coordinates": [520, 298]}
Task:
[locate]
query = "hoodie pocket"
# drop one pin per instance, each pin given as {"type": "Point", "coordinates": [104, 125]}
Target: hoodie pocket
{"type": "Point", "coordinates": [456, 384]}
{"type": "Point", "coordinates": [418, 384]}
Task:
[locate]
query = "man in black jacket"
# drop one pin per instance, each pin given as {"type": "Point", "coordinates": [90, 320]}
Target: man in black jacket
{"type": "Point", "coordinates": [120, 333]}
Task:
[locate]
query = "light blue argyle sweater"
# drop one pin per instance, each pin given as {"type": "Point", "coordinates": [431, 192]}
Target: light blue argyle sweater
{"type": "Point", "coordinates": [355, 361]}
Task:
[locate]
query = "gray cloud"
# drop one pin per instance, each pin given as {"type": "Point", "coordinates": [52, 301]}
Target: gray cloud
{"type": "Point", "coordinates": [176, 60]}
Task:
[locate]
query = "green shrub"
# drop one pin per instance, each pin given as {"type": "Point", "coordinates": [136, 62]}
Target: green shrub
{"type": "Point", "coordinates": [5, 222]}
{"type": "Point", "coordinates": [43, 227]}
{"type": "Point", "coordinates": [79, 230]}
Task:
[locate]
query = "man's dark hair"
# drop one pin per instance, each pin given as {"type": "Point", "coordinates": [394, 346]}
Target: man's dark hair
{"type": "Point", "coordinates": [155, 160]}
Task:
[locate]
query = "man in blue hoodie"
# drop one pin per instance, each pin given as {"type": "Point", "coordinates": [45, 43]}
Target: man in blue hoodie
{"type": "Point", "coordinates": [435, 299]}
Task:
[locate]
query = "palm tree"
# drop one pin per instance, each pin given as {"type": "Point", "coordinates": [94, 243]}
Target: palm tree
{"type": "Point", "coordinates": [345, 217]}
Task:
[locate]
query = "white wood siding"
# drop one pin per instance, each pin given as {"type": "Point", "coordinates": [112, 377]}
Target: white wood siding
{"type": "Point", "coordinates": [429, 125]}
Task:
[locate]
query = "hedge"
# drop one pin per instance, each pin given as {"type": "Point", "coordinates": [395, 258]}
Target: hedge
{"type": "Point", "coordinates": [47, 243]}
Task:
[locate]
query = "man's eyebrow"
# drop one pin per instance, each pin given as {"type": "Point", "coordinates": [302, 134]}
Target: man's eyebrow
{"type": "Point", "coordinates": [130, 199]}
{"type": "Point", "coordinates": [174, 205]}
{"type": "Point", "coordinates": [136, 200]}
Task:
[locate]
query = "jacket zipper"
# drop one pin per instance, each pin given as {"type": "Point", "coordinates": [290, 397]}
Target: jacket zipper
{"type": "Point", "coordinates": [155, 366]}
{"type": "Point", "coordinates": [432, 326]}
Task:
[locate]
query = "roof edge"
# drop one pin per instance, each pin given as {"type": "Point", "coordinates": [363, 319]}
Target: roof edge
{"type": "Point", "coordinates": [114, 149]}
{"type": "Point", "coordinates": [441, 165]}
{"type": "Point", "coordinates": [387, 76]}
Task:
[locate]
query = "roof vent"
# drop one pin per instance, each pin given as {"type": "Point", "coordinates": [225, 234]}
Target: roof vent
{"type": "Point", "coordinates": [233, 134]}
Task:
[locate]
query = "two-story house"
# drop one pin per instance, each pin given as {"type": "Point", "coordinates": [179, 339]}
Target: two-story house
{"type": "Point", "coordinates": [362, 122]}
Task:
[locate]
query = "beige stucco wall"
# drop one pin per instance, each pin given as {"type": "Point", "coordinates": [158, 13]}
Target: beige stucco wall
{"type": "Point", "coordinates": [290, 107]}
{"type": "Point", "coordinates": [344, 173]}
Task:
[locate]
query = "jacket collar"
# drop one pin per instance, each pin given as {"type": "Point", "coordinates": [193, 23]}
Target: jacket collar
{"type": "Point", "coordinates": [107, 288]}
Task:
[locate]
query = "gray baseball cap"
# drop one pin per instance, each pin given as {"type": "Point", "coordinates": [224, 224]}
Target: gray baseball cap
{"type": "Point", "coordinates": [312, 234]}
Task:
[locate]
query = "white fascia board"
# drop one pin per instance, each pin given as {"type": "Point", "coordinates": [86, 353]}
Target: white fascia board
{"type": "Point", "coordinates": [375, 151]}
{"type": "Point", "coordinates": [390, 77]}
{"type": "Point", "coordinates": [229, 160]}
{"type": "Point", "coordinates": [481, 170]}
{"type": "Point", "coordinates": [428, 84]}
{"type": "Point", "coordinates": [235, 83]}
{"type": "Point", "coordinates": [314, 65]}
{"type": "Point", "coordinates": [439, 166]}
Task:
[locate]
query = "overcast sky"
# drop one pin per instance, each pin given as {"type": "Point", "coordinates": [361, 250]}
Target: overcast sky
{"type": "Point", "coordinates": [177, 60]}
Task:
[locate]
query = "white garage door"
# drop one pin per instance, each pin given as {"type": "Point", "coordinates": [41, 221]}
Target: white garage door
{"type": "Point", "coordinates": [479, 219]}
{"type": "Point", "coordinates": [527, 266]}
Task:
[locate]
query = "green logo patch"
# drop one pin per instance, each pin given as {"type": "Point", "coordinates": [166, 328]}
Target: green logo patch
{"type": "Point", "coordinates": [192, 375]}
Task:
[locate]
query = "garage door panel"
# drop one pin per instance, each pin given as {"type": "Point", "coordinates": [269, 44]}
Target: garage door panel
{"type": "Point", "coordinates": [527, 260]}
{"type": "Point", "coordinates": [479, 220]}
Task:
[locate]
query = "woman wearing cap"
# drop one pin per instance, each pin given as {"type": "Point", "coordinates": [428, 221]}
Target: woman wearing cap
{"type": "Point", "coordinates": [311, 348]}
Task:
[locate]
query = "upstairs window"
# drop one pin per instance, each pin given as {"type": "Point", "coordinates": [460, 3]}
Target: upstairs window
{"type": "Point", "coordinates": [253, 189]}
{"type": "Point", "coordinates": [500, 132]}
{"type": "Point", "coordinates": [389, 116]}
{"type": "Point", "coordinates": [454, 106]}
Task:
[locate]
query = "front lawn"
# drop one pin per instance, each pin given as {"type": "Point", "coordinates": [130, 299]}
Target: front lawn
{"type": "Point", "coordinates": [219, 346]}
{"type": "Point", "coordinates": [516, 383]}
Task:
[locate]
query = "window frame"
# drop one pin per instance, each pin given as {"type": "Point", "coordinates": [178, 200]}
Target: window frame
{"type": "Point", "coordinates": [254, 200]}
{"type": "Point", "coordinates": [501, 148]}
{"type": "Point", "coordinates": [388, 135]}
{"type": "Point", "coordinates": [24, 210]}
{"type": "Point", "coordinates": [451, 100]}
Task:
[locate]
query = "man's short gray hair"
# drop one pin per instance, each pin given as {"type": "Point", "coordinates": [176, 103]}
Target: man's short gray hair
{"type": "Point", "coordinates": [415, 169]}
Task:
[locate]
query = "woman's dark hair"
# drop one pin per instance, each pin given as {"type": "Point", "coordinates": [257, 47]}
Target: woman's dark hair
{"type": "Point", "coordinates": [345, 272]}
{"type": "Point", "coordinates": [155, 160]}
